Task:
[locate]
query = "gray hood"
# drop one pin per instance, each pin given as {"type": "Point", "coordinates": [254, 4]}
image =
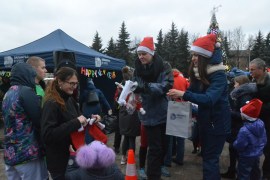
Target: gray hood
{"type": "Point", "coordinates": [23, 74]}
{"type": "Point", "coordinates": [248, 88]}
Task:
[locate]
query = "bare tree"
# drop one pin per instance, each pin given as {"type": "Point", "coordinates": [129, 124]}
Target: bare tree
{"type": "Point", "coordinates": [236, 39]}
{"type": "Point", "coordinates": [249, 45]}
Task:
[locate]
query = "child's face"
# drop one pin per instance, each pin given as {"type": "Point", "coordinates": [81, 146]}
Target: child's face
{"type": "Point", "coordinates": [236, 84]}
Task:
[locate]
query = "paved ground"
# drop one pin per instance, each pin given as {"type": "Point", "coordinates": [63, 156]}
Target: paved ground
{"type": "Point", "coordinates": [191, 170]}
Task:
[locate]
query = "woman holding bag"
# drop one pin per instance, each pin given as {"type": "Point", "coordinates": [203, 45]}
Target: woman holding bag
{"type": "Point", "coordinates": [208, 88]}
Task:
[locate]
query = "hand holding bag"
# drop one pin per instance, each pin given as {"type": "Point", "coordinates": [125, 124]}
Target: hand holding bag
{"type": "Point", "coordinates": [179, 119]}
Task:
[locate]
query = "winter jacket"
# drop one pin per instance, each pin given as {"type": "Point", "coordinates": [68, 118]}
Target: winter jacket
{"type": "Point", "coordinates": [240, 96]}
{"type": "Point", "coordinates": [213, 104]}
{"type": "Point", "coordinates": [129, 124]}
{"type": "Point", "coordinates": [96, 108]}
{"type": "Point", "coordinates": [57, 125]}
{"type": "Point", "coordinates": [154, 99]}
{"type": "Point", "coordinates": [263, 94]}
{"type": "Point", "coordinates": [251, 139]}
{"type": "Point", "coordinates": [21, 113]}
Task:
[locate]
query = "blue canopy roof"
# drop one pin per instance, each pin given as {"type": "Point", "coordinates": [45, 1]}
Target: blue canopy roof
{"type": "Point", "coordinates": [60, 41]}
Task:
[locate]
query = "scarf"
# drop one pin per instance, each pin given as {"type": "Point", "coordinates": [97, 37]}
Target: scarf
{"type": "Point", "coordinates": [149, 72]}
{"type": "Point", "coordinates": [210, 69]}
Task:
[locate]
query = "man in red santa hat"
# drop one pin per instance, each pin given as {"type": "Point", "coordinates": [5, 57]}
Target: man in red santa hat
{"type": "Point", "coordinates": [155, 78]}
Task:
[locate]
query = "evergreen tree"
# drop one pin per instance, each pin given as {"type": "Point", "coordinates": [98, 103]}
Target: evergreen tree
{"type": "Point", "coordinates": [97, 43]}
{"type": "Point", "coordinates": [214, 29]}
{"type": "Point", "coordinates": [226, 48]}
{"type": "Point", "coordinates": [267, 49]}
{"type": "Point", "coordinates": [258, 48]}
{"type": "Point", "coordinates": [171, 50]}
{"type": "Point", "coordinates": [122, 46]}
{"type": "Point", "coordinates": [159, 44]}
{"type": "Point", "coordinates": [111, 48]}
{"type": "Point", "coordinates": [183, 55]}
{"type": "Point", "coordinates": [166, 47]}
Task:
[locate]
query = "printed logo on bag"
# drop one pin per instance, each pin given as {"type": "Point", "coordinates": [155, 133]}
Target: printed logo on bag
{"type": "Point", "coordinates": [176, 116]}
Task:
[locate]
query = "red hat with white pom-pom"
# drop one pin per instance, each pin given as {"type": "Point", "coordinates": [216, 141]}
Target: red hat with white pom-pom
{"type": "Point", "coordinates": [251, 110]}
{"type": "Point", "coordinates": [205, 45]}
{"type": "Point", "coordinates": [147, 45]}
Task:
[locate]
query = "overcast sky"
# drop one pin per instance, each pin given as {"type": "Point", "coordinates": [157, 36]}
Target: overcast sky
{"type": "Point", "coordinates": [23, 21]}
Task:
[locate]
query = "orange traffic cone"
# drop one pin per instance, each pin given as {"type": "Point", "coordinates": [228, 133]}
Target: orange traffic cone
{"type": "Point", "coordinates": [131, 166]}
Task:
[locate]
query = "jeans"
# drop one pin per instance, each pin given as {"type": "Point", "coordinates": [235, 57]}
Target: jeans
{"type": "Point", "coordinates": [88, 137]}
{"type": "Point", "coordinates": [35, 169]}
{"type": "Point", "coordinates": [180, 150]}
{"type": "Point", "coordinates": [212, 146]}
{"type": "Point", "coordinates": [248, 168]}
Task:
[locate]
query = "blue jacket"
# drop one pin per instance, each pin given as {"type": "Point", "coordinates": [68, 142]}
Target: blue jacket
{"type": "Point", "coordinates": [251, 139]}
{"type": "Point", "coordinates": [154, 100]}
{"type": "Point", "coordinates": [89, 109]}
{"type": "Point", "coordinates": [213, 104]}
{"type": "Point", "coordinates": [240, 96]}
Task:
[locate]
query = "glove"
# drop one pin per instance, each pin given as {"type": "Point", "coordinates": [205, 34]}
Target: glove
{"type": "Point", "coordinates": [141, 88]}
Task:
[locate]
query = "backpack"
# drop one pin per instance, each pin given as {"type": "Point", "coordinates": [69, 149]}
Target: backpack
{"type": "Point", "coordinates": [92, 97]}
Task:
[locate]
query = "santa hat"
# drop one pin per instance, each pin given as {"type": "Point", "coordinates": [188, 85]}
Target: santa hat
{"type": "Point", "coordinates": [147, 45]}
{"type": "Point", "coordinates": [205, 45]}
{"type": "Point", "coordinates": [95, 156]}
{"type": "Point", "coordinates": [251, 110]}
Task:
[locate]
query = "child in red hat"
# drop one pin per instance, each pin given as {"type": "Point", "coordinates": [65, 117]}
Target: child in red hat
{"type": "Point", "coordinates": [250, 141]}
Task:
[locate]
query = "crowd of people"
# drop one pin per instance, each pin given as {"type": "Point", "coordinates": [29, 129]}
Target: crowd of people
{"type": "Point", "coordinates": [39, 120]}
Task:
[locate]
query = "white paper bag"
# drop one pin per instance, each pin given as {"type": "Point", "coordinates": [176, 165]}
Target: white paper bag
{"type": "Point", "coordinates": [125, 92]}
{"type": "Point", "coordinates": [179, 119]}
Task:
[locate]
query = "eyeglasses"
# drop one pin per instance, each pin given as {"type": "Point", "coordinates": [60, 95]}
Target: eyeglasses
{"type": "Point", "coordinates": [73, 84]}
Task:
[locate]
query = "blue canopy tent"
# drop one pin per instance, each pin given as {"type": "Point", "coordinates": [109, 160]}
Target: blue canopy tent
{"type": "Point", "coordinates": [59, 41]}
{"type": "Point", "coordinates": [85, 57]}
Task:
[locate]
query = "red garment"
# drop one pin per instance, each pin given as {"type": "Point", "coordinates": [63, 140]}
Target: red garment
{"type": "Point", "coordinates": [117, 93]}
{"type": "Point", "coordinates": [180, 83]}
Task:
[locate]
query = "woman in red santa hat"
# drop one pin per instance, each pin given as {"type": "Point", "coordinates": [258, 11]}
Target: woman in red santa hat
{"type": "Point", "coordinates": [208, 89]}
{"type": "Point", "coordinates": [155, 78]}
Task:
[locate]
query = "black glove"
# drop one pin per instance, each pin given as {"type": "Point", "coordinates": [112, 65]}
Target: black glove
{"type": "Point", "coordinates": [142, 87]}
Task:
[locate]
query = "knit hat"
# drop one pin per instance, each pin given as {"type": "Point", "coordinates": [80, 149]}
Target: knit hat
{"type": "Point", "coordinates": [95, 156]}
{"type": "Point", "coordinates": [251, 110]}
{"type": "Point", "coordinates": [147, 45]}
{"type": "Point", "coordinates": [205, 45]}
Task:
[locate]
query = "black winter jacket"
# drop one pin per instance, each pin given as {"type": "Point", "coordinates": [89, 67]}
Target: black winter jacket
{"type": "Point", "coordinates": [57, 125]}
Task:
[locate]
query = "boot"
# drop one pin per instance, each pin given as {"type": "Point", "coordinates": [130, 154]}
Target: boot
{"type": "Point", "coordinates": [230, 174]}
